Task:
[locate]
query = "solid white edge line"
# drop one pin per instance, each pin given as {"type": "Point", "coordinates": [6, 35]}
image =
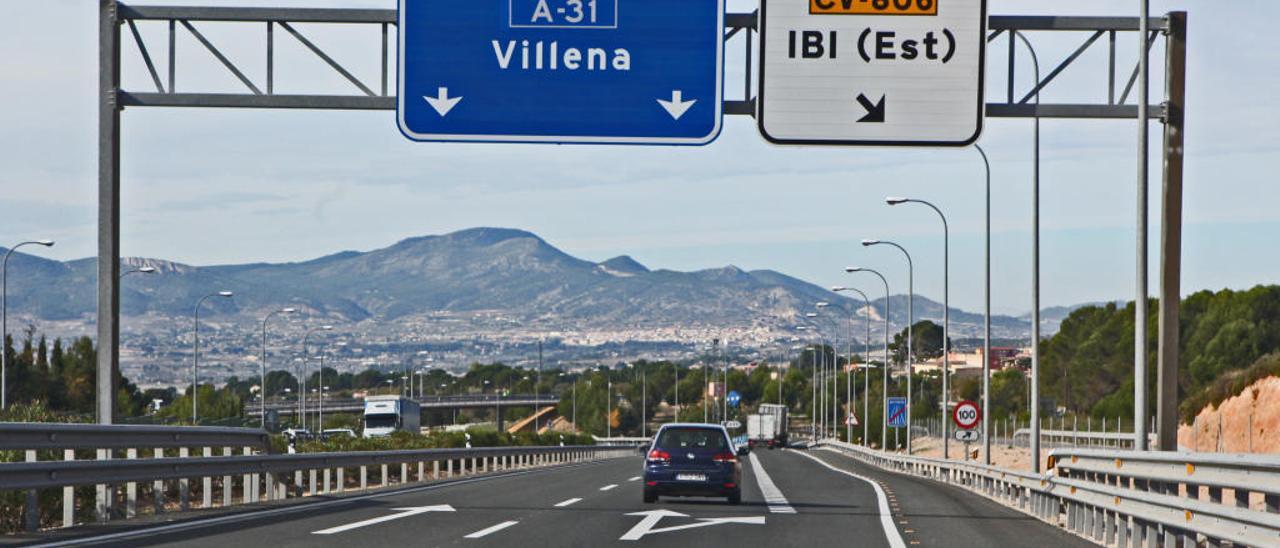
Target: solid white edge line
{"type": "Point", "coordinates": [564, 503]}
{"type": "Point", "coordinates": [773, 496]}
{"type": "Point", "coordinates": [886, 517]}
{"type": "Point", "coordinates": [608, 487]}
{"type": "Point", "coordinates": [491, 530]}
{"type": "Point", "coordinates": [296, 508]}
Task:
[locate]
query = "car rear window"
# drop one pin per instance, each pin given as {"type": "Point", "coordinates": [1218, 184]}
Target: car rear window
{"type": "Point", "coordinates": [690, 438]}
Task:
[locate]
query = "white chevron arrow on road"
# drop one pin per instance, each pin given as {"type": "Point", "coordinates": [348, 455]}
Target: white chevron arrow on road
{"type": "Point", "coordinates": [400, 513]}
{"type": "Point", "coordinates": [677, 106]}
{"type": "Point", "coordinates": [442, 102]}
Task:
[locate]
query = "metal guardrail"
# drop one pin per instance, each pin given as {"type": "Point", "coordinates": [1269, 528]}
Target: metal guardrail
{"type": "Point", "coordinates": [1122, 498]}
{"type": "Point", "coordinates": [136, 467]}
{"type": "Point", "coordinates": [44, 436]}
{"type": "Point", "coordinates": [1078, 438]}
{"type": "Point", "coordinates": [622, 441]}
{"type": "Point", "coordinates": [54, 474]}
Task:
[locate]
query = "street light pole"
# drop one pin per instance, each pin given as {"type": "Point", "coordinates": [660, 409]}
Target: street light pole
{"type": "Point", "coordinates": [884, 424]}
{"type": "Point", "coordinates": [823, 376]}
{"type": "Point", "coordinates": [195, 362]}
{"type": "Point", "coordinates": [986, 320]}
{"type": "Point", "coordinates": [946, 316]}
{"type": "Point", "coordinates": [302, 381]}
{"type": "Point", "coordinates": [1140, 388]}
{"type": "Point", "coordinates": [4, 320]}
{"type": "Point", "coordinates": [866, 354]}
{"type": "Point", "coordinates": [263, 368]}
{"type": "Point", "coordinates": [911, 321]}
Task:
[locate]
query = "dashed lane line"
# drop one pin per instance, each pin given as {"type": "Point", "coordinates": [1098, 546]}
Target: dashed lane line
{"type": "Point", "coordinates": [491, 530]}
{"type": "Point", "coordinates": [608, 487]}
{"type": "Point", "coordinates": [636, 478]}
{"type": "Point", "coordinates": [886, 517]}
{"type": "Point", "coordinates": [564, 503]}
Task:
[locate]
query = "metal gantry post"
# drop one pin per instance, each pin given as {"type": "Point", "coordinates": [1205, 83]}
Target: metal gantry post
{"type": "Point", "coordinates": [1171, 233]}
{"type": "Point", "coordinates": [108, 207]}
{"type": "Point", "coordinates": [1140, 286]}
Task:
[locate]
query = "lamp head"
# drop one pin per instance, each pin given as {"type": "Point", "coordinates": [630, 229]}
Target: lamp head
{"type": "Point", "coordinates": [822, 304]}
{"type": "Point", "coordinates": [46, 243]}
{"type": "Point", "coordinates": [326, 328]}
{"type": "Point", "coordinates": [811, 315]}
{"type": "Point", "coordinates": [852, 269]}
{"type": "Point", "coordinates": [147, 270]}
{"type": "Point", "coordinates": [288, 310]}
{"type": "Point", "coordinates": [226, 294]}
{"type": "Point", "coordinates": [870, 242]}
{"type": "Point", "coordinates": [839, 288]}
{"type": "Point", "coordinates": [894, 200]}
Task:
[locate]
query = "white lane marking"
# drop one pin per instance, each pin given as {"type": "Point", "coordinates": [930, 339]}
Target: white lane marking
{"type": "Point", "coordinates": [608, 487]}
{"type": "Point", "coordinates": [637, 478]}
{"type": "Point", "coordinates": [400, 513]}
{"type": "Point", "coordinates": [886, 517]}
{"type": "Point", "coordinates": [310, 506]}
{"type": "Point", "coordinates": [491, 530]}
{"type": "Point", "coordinates": [652, 517]}
{"type": "Point", "coordinates": [564, 503]}
{"type": "Point", "coordinates": [772, 495]}
{"type": "Point", "coordinates": [704, 522]}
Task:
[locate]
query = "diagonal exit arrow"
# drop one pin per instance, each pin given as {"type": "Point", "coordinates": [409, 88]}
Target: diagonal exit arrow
{"type": "Point", "coordinates": [875, 111]}
{"type": "Point", "coordinates": [651, 518]}
{"type": "Point", "coordinates": [705, 522]}
{"type": "Point", "coordinates": [400, 513]}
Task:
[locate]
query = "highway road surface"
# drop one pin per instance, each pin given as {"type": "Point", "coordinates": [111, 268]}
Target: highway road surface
{"type": "Point", "coordinates": [790, 498]}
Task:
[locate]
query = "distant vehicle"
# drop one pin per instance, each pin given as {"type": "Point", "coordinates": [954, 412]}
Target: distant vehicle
{"type": "Point", "coordinates": [768, 426]}
{"type": "Point", "coordinates": [386, 414]}
{"type": "Point", "coordinates": [688, 460]}
{"type": "Point", "coordinates": [337, 433]}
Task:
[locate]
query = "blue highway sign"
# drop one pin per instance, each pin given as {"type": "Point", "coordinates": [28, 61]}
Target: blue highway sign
{"type": "Point", "coordinates": [561, 71]}
{"type": "Point", "coordinates": [734, 398]}
{"type": "Point", "coordinates": [897, 417]}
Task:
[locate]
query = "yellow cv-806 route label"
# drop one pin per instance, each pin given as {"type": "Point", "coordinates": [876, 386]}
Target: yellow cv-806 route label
{"type": "Point", "coordinates": [873, 7]}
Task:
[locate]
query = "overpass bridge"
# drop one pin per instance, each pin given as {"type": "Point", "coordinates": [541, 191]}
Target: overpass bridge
{"type": "Point", "coordinates": [428, 403]}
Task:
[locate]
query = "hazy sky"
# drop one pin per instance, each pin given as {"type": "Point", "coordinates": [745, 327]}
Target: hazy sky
{"type": "Point", "coordinates": [223, 186]}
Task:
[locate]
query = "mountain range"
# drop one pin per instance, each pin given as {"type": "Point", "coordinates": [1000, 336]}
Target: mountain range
{"type": "Point", "coordinates": [510, 272]}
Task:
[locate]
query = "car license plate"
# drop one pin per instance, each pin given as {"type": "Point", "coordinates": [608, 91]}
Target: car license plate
{"type": "Point", "coordinates": [691, 477]}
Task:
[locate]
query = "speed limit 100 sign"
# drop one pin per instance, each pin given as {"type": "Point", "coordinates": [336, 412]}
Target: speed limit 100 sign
{"type": "Point", "coordinates": [966, 415]}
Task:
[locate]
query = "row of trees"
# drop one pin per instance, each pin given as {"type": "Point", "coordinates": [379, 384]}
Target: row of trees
{"type": "Point", "coordinates": [62, 376]}
{"type": "Point", "coordinates": [1088, 364]}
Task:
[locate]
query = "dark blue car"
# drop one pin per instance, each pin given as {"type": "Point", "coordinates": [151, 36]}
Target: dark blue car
{"type": "Point", "coordinates": [691, 460]}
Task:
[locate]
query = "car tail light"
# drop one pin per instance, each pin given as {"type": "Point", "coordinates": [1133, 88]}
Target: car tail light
{"type": "Point", "coordinates": [658, 455]}
{"type": "Point", "coordinates": [725, 457]}
{"type": "Point", "coordinates": [730, 485]}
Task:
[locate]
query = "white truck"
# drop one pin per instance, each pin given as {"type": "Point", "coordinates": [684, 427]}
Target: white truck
{"type": "Point", "coordinates": [768, 426]}
{"type": "Point", "coordinates": [386, 414]}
